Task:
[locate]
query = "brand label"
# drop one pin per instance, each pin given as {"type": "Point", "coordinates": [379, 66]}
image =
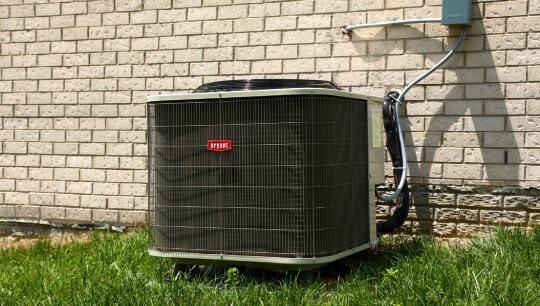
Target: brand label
{"type": "Point", "coordinates": [219, 145]}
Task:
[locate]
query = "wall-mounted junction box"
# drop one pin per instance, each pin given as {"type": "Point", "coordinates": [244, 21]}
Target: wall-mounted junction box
{"type": "Point", "coordinates": [457, 12]}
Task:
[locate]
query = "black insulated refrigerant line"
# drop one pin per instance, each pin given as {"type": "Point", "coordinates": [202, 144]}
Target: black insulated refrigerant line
{"type": "Point", "coordinates": [393, 145]}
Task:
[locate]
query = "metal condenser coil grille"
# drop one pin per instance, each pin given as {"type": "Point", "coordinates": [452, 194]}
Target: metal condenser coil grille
{"type": "Point", "coordinates": [294, 184]}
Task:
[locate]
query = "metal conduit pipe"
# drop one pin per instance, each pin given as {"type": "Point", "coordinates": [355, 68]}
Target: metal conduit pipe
{"type": "Point", "coordinates": [347, 29]}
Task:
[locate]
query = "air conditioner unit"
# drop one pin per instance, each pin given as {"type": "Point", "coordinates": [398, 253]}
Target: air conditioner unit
{"type": "Point", "coordinates": [275, 174]}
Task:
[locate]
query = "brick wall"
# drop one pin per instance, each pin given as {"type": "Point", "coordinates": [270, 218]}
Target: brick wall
{"type": "Point", "coordinates": [75, 75]}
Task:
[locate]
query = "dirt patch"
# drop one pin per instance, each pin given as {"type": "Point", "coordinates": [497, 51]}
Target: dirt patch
{"type": "Point", "coordinates": [25, 236]}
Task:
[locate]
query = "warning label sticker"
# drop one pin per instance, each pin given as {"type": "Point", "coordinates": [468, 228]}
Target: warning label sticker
{"type": "Point", "coordinates": [376, 127]}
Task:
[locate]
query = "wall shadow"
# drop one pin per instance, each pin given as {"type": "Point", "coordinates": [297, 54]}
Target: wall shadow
{"type": "Point", "coordinates": [465, 139]}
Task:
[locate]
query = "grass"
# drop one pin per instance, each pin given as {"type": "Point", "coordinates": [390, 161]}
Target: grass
{"type": "Point", "coordinates": [113, 268]}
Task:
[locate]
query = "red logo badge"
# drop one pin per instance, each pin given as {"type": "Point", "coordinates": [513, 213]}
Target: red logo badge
{"type": "Point", "coordinates": [219, 145]}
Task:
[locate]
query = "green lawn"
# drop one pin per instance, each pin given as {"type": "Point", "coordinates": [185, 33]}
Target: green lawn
{"type": "Point", "coordinates": [115, 269]}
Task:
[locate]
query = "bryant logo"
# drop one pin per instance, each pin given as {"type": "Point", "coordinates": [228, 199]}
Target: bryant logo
{"type": "Point", "coordinates": [219, 145]}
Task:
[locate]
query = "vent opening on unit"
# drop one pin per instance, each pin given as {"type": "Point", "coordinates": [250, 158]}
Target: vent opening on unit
{"type": "Point", "coordinates": [263, 84]}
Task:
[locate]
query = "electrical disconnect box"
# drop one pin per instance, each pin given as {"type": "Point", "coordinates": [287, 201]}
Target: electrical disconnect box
{"type": "Point", "coordinates": [457, 12]}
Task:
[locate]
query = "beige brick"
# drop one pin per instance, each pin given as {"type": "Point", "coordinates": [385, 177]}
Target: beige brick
{"type": "Point", "coordinates": [217, 54]}
{"type": "Point", "coordinates": [103, 6]}
{"type": "Point", "coordinates": [264, 10]}
{"type": "Point", "coordinates": [133, 163]}
{"type": "Point", "coordinates": [53, 186]}
{"type": "Point", "coordinates": [506, 41]}
{"type": "Point", "coordinates": [105, 216]}
{"type": "Point", "coordinates": [40, 173]}
{"type": "Point", "coordinates": [280, 23]}
{"type": "Point", "coordinates": [233, 12]}
{"type": "Point", "coordinates": [264, 67]}
{"type": "Point", "coordinates": [386, 78]}
{"type": "Point", "coordinates": [332, 64]}
{"type": "Point", "coordinates": [41, 199]}
{"type": "Point", "coordinates": [174, 16]}
{"type": "Point", "coordinates": [218, 26]}
{"type": "Point", "coordinates": [92, 174]}
{"type": "Point", "coordinates": [504, 139]}
{"type": "Point", "coordinates": [233, 40]}
{"type": "Point", "coordinates": [31, 212]}
{"type": "Point", "coordinates": [120, 203]}
{"type": "Point", "coordinates": [187, 28]}
{"type": "Point", "coordinates": [522, 90]}
{"type": "Point", "coordinates": [62, 21]}
{"type": "Point", "coordinates": [79, 214]}
{"type": "Point", "coordinates": [314, 22]}
{"type": "Point", "coordinates": [504, 172]}
{"type": "Point", "coordinates": [249, 53]}
{"type": "Point", "coordinates": [53, 161]}
{"type": "Point", "coordinates": [204, 13]}
{"type": "Point", "coordinates": [129, 31]}
{"type": "Point", "coordinates": [235, 67]}
{"type": "Point", "coordinates": [248, 25]}
{"type": "Point", "coordinates": [523, 57]}
{"type": "Point", "coordinates": [143, 17]}
{"type": "Point", "coordinates": [65, 148]}
{"type": "Point", "coordinates": [506, 9]}
{"type": "Point", "coordinates": [486, 59]}
{"type": "Point", "coordinates": [533, 173]}
{"type": "Point", "coordinates": [105, 162]}
{"type": "Point", "coordinates": [79, 187]}
{"type": "Point", "coordinates": [133, 217]}
{"type": "Point", "coordinates": [53, 213]}
{"type": "Point", "coordinates": [66, 174]}
{"type": "Point", "coordinates": [47, 9]}
{"type": "Point", "coordinates": [202, 41]}
{"type": "Point", "coordinates": [487, 124]}
{"type": "Point", "coordinates": [133, 189]}
{"type": "Point", "coordinates": [90, 201]}
{"type": "Point", "coordinates": [297, 8]}
{"type": "Point", "coordinates": [484, 155]}
{"type": "Point", "coordinates": [15, 173]}
{"type": "Point", "coordinates": [265, 38]}
{"type": "Point", "coordinates": [105, 189]}
{"type": "Point", "coordinates": [176, 42]}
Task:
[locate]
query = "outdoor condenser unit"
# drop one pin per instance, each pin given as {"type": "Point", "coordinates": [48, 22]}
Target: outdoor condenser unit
{"type": "Point", "coordinates": [275, 174]}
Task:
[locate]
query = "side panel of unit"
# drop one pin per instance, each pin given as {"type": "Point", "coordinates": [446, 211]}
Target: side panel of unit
{"type": "Point", "coordinates": [376, 160]}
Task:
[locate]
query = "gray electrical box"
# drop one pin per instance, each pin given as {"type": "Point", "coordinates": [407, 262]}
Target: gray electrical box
{"type": "Point", "coordinates": [457, 12]}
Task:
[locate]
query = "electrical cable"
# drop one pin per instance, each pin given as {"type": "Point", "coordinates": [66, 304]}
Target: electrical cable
{"type": "Point", "coordinates": [398, 101]}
